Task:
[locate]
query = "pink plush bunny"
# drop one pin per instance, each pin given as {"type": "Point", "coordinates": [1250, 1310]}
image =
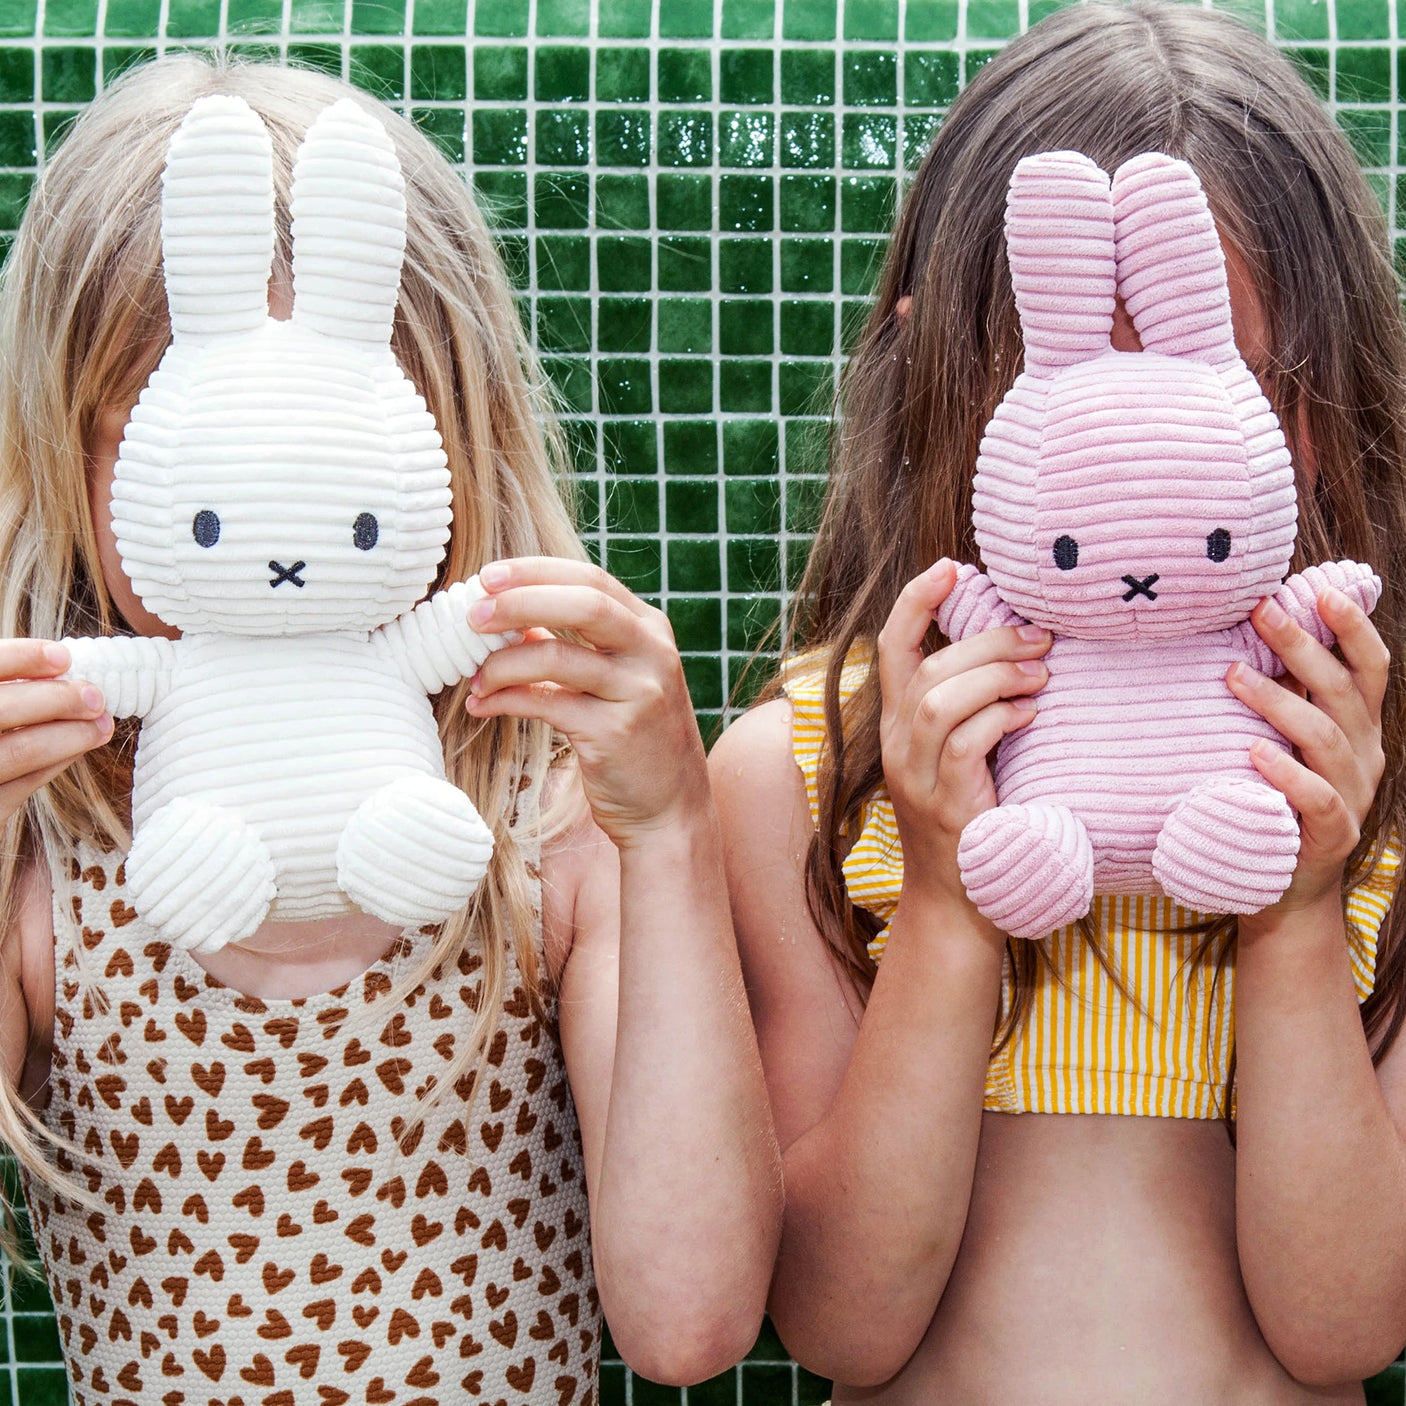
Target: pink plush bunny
{"type": "Point", "coordinates": [1138, 505]}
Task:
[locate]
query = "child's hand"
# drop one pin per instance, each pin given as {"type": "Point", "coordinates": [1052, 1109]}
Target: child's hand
{"type": "Point", "coordinates": [1335, 730]}
{"type": "Point", "coordinates": [619, 695]}
{"type": "Point", "coordinates": [942, 715]}
{"type": "Point", "coordinates": [46, 722]}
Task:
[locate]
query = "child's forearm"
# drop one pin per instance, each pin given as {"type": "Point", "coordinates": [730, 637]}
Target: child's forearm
{"type": "Point", "coordinates": [1321, 1166]}
{"type": "Point", "coordinates": [877, 1191]}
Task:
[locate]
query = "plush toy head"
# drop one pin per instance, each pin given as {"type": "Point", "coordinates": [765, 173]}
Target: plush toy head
{"type": "Point", "coordinates": [280, 478]}
{"type": "Point", "coordinates": [1128, 495]}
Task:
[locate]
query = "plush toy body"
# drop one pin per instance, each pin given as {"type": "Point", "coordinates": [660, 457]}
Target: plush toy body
{"type": "Point", "coordinates": [282, 497]}
{"type": "Point", "coordinates": [1138, 505]}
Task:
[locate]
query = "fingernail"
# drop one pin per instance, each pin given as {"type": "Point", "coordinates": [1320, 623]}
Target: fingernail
{"type": "Point", "coordinates": [1030, 666]}
{"type": "Point", "coordinates": [56, 655]}
{"type": "Point", "coordinates": [514, 636]}
{"type": "Point", "coordinates": [473, 685]}
{"type": "Point", "coordinates": [1026, 705]}
{"type": "Point", "coordinates": [938, 568]}
{"type": "Point", "coordinates": [1272, 615]}
{"type": "Point", "coordinates": [92, 697]}
{"type": "Point", "coordinates": [1333, 598]}
{"type": "Point", "coordinates": [1032, 634]}
{"type": "Point", "coordinates": [481, 612]}
{"type": "Point", "coordinates": [104, 725]}
{"type": "Point", "coordinates": [494, 574]}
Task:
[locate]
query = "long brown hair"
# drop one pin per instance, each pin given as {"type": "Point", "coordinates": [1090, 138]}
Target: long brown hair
{"type": "Point", "coordinates": [1286, 190]}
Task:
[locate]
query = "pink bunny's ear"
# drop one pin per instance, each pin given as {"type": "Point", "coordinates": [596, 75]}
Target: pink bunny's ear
{"type": "Point", "coordinates": [1059, 236]}
{"type": "Point", "coordinates": [1171, 270]}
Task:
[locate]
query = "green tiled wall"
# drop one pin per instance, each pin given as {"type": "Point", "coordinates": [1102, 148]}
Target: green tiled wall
{"type": "Point", "coordinates": [692, 197]}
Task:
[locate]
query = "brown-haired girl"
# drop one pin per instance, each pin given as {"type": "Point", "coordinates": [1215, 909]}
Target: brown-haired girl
{"type": "Point", "coordinates": [337, 1161]}
{"type": "Point", "coordinates": [952, 1232]}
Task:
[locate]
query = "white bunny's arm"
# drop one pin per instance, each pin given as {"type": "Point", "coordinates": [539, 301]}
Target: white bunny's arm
{"type": "Point", "coordinates": [1298, 597]}
{"type": "Point", "coordinates": [973, 606]}
{"type": "Point", "coordinates": [132, 671]}
{"type": "Point", "coordinates": [434, 645]}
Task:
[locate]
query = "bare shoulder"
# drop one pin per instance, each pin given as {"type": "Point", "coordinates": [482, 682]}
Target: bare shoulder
{"type": "Point", "coordinates": [757, 786]}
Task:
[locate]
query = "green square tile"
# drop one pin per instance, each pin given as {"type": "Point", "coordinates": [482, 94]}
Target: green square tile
{"type": "Point", "coordinates": [1381, 188]}
{"type": "Point", "coordinates": [586, 508]}
{"type": "Point", "coordinates": [563, 136]}
{"type": "Point", "coordinates": [68, 75]}
{"type": "Point", "coordinates": [438, 71]}
{"type": "Point", "coordinates": [695, 566]}
{"type": "Point", "coordinates": [685, 76]}
{"type": "Point", "coordinates": [930, 21]}
{"type": "Point", "coordinates": [327, 57]}
{"type": "Point", "coordinates": [637, 562]}
{"type": "Point", "coordinates": [745, 139]}
{"type": "Point", "coordinates": [992, 19]}
{"type": "Point", "coordinates": [974, 61]}
{"type": "Point", "coordinates": [42, 1386]}
{"type": "Point", "coordinates": [571, 378]}
{"type": "Point", "coordinates": [684, 202]}
{"type": "Point", "coordinates": [622, 202]}
{"type": "Point", "coordinates": [622, 138]}
{"type": "Point", "coordinates": [1038, 9]}
{"type": "Point", "coordinates": [1364, 75]}
{"type": "Point", "coordinates": [500, 72]}
{"type": "Point", "coordinates": [1363, 19]}
{"type": "Point", "coordinates": [860, 262]}
{"type": "Point", "coordinates": [200, 19]}
{"type": "Point", "coordinates": [16, 75]}
{"type": "Point", "coordinates": [378, 17]}
{"type": "Point", "coordinates": [746, 75]}
{"type": "Point", "coordinates": [746, 203]}
{"type": "Point", "coordinates": [18, 18]}
{"type": "Point", "coordinates": [867, 203]}
{"type": "Point", "coordinates": [1301, 19]}
{"type": "Point", "coordinates": [807, 139]}
{"type": "Point", "coordinates": [697, 625]}
{"type": "Point", "coordinates": [500, 137]}
{"type": "Point", "coordinates": [870, 78]}
{"type": "Point", "coordinates": [502, 196]}
{"type": "Point", "coordinates": [563, 73]}
{"type": "Point", "coordinates": [768, 1346]}
{"type": "Point", "coordinates": [1387, 1388]}
{"type": "Point", "coordinates": [624, 19]}
{"type": "Point", "coordinates": [749, 19]}
{"type": "Point", "coordinates": [379, 69]}
{"type": "Point", "coordinates": [72, 19]}
{"type": "Point", "coordinates": [581, 441]}
{"type": "Point", "coordinates": [563, 17]}
{"type": "Point", "coordinates": [807, 266]}
{"type": "Point", "coordinates": [1370, 134]}
{"type": "Point", "coordinates": [56, 127]}
{"type": "Point", "coordinates": [690, 447]}
{"type": "Point", "coordinates": [320, 56]}
{"type": "Point", "coordinates": [807, 77]}
{"type": "Point", "coordinates": [499, 17]}
{"type": "Point", "coordinates": [1312, 65]}
{"type": "Point", "coordinates": [623, 264]}
{"type": "Point", "coordinates": [685, 386]}
{"type": "Point", "coordinates": [623, 324]}
{"type": "Point", "coordinates": [685, 264]}
{"type": "Point", "coordinates": [117, 59]}
{"type": "Point", "coordinates": [805, 498]}
{"type": "Point", "coordinates": [703, 675]}
{"type": "Point", "coordinates": [561, 200]}
{"type": "Point", "coordinates": [304, 17]}
{"type": "Point", "coordinates": [685, 325]}
{"type": "Point", "coordinates": [564, 262]}
{"type": "Point", "coordinates": [919, 129]}
{"type": "Point", "coordinates": [722, 1389]}
{"type": "Point", "coordinates": [871, 19]}
{"type": "Point", "coordinates": [745, 328]}
{"type": "Point", "coordinates": [806, 387]}
{"type": "Point", "coordinates": [745, 386]}
{"type": "Point", "coordinates": [808, 19]}
{"type": "Point", "coordinates": [18, 146]}
{"type": "Point", "coordinates": [623, 384]}
{"type": "Point", "coordinates": [564, 324]}
{"type": "Point", "coordinates": [752, 505]}
{"type": "Point", "coordinates": [749, 622]}
{"type": "Point", "coordinates": [622, 75]}
{"type": "Point", "coordinates": [808, 328]}
{"type": "Point", "coordinates": [807, 447]}
{"type": "Point", "coordinates": [632, 506]}
{"type": "Point", "coordinates": [36, 1338]}
{"type": "Point", "coordinates": [929, 78]}
{"type": "Point", "coordinates": [870, 141]}
{"type": "Point", "coordinates": [807, 203]}
{"type": "Point", "coordinates": [132, 19]}
{"type": "Point", "coordinates": [744, 265]}
{"type": "Point", "coordinates": [753, 564]}
{"type": "Point", "coordinates": [442, 17]}
{"type": "Point", "coordinates": [853, 316]}
{"type": "Point", "coordinates": [512, 249]}
{"type": "Point", "coordinates": [686, 19]}
{"type": "Point", "coordinates": [685, 138]}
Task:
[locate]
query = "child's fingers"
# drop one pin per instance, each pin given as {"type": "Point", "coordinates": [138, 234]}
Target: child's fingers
{"type": "Point", "coordinates": [572, 666]}
{"type": "Point", "coordinates": [596, 615]}
{"type": "Point", "coordinates": [1368, 659]}
{"type": "Point", "coordinates": [31, 659]}
{"type": "Point", "coordinates": [946, 706]}
{"type": "Point", "coordinates": [970, 742]}
{"type": "Point", "coordinates": [47, 747]}
{"type": "Point", "coordinates": [900, 642]}
{"type": "Point", "coordinates": [1328, 681]}
{"type": "Point", "coordinates": [41, 701]}
{"type": "Point", "coordinates": [560, 708]}
{"type": "Point", "coordinates": [499, 576]}
{"type": "Point", "coordinates": [1323, 814]}
{"type": "Point", "coordinates": [1008, 643]}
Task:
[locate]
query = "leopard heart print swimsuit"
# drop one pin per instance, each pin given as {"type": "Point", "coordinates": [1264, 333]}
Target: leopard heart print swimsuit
{"type": "Point", "coordinates": [275, 1228]}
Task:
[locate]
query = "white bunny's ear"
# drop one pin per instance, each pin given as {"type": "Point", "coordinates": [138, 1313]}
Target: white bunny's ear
{"type": "Point", "coordinates": [1059, 236]}
{"type": "Point", "coordinates": [348, 226]}
{"type": "Point", "coordinates": [1171, 270]}
{"type": "Point", "coordinates": [217, 219]}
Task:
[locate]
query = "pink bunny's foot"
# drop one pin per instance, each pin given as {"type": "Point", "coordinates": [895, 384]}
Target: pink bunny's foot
{"type": "Point", "coordinates": [1028, 868]}
{"type": "Point", "coordinates": [1227, 847]}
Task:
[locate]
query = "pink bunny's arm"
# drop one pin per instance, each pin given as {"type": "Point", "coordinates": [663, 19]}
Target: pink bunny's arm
{"type": "Point", "coordinates": [1298, 597]}
{"type": "Point", "coordinates": [133, 671]}
{"type": "Point", "coordinates": [433, 645]}
{"type": "Point", "coordinates": [973, 606]}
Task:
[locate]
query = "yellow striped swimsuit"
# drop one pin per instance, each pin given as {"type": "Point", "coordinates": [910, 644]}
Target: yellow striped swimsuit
{"type": "Point", "coordinates": [1086, 1047]}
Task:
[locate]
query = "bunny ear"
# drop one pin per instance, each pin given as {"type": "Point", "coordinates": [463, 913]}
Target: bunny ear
{"type": "Point", "coordinates": [217, 219]}
{"type": "Point", "coordinates": [1171, 270]}
{"type": "Point", "coordinates": [1059, 236]}
{"type": "Point", "coordinates": [348, 226]}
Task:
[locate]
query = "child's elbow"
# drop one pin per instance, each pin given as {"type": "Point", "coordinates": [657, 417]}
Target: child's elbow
{"type": "Point", "coordinates": [1335, 1360]}
{"type": "Point", "coordinates": [692, 1348]}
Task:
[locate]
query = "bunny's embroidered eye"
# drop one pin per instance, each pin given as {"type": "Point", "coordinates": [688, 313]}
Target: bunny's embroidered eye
{"type": "Point", "coordinates": [1218, 544]}
{"type": "Point", "coordinates": [365, 531]}
{"type": "Point", "coordinates": [1066, 553]}
{"type": "Point", "coordinates": [206, 528]}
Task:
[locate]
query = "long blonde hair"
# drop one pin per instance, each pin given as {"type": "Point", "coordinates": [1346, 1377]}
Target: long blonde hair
{"type": "Point", "coordinates": [83, 323]}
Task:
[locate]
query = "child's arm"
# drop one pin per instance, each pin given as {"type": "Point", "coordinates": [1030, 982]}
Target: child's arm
{"type": "Point", "coordinates": [681, 1163]}
{"type": "Point", "coordinates": [973, 606]}
{"type": "Point", "coordinates": [433, 645]}
{"type": "Point", "coordinates": [133, 671]}
{"type": "Point", "coordinates": [1298, 599]}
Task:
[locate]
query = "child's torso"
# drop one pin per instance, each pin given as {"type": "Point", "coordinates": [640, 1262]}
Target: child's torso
{"type": "Point", "coordinates": [273, 1226]}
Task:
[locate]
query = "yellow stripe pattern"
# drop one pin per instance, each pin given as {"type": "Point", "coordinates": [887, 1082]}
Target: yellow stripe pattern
{"type": "Point", "coordinates": [1163, 1049]}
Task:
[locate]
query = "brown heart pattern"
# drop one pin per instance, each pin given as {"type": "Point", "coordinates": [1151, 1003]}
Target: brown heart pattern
{"type": "Point", "coordinates": [283, 1220]}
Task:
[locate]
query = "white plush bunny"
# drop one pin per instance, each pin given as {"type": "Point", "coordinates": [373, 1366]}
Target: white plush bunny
{"type": "Point", "coordinates": [281, 496]}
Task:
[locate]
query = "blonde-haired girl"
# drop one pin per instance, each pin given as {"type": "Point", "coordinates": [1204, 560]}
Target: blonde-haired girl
{"type": "Point", "coordinates": [336, 1161]}
{"type": "Point", "coordinates": [953, 1231]}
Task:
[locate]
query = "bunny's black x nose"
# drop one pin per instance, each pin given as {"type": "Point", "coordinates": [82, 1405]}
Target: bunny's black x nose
{"type": "Point", "coordinates": [283, 573]}
{"type": "Point", "coordinates": [1135, 587]}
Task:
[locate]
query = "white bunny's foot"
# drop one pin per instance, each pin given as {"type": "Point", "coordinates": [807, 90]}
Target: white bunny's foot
{"type": "Point", "coordinates": [1028, 868]}
{"type": "Point", "coordinates": [413, 852]}
{"type": "Point", "coordinates": [1227, 847]}
{"type": "Point", "coordinates": [200, 875]}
